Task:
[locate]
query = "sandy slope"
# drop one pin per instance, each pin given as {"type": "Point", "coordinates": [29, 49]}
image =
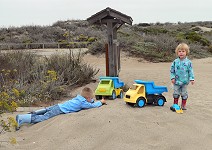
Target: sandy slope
{"type": "Point", "coordinates": [119, 126]}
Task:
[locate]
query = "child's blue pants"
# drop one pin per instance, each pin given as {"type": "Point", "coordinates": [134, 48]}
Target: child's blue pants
{"type": "Point", "coordinates": [51, 112]}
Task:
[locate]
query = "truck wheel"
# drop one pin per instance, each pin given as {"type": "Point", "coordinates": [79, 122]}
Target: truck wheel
{"type": "Point", "coordinates": [121, 95]}
{"type": "Point", "coordinates": [97, 97]}
{"type": "Point", "coordinates": [160, 100]}
{"type": "Point", "coordinates": [113, 96]}
{"type": "Point", "coordinates": [141, 101]}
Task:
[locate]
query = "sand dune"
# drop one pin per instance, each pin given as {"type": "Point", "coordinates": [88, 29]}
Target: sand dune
{"type": "Point", "coordinates": [119, 126]}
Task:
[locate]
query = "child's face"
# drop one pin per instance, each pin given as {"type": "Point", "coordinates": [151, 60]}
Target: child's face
{"type": "Point", "coordinates": [89, 99]}
{"type": "Point", "coordinates": [181, 53]}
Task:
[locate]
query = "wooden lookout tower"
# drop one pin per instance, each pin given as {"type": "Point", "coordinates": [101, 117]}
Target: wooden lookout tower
{"type": "Point", "coordinates": [113, 20]}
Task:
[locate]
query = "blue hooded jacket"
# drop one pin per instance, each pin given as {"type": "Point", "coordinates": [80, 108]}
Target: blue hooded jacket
{"type": "Point", "coordinates": [78, 103]}
{"type": "Point", "coordinates": [182, 71]}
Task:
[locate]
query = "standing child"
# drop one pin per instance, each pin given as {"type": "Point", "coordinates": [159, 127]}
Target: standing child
{"type": "Point", "coordinates": [181, 74]}
{"type": "Point", "coordinates": [82, 101]}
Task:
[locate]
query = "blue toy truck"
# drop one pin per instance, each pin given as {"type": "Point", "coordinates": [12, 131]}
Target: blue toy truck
{"type": "Point", "coordinates": [145, 92]}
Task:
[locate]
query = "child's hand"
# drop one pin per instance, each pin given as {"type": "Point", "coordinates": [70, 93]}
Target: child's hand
{"type": "Point", "coordinates": [192, 82]}
{"type": "Point", "coordinates": [103, 101]}
{"type": "Point", "coordinates": [173, 81]}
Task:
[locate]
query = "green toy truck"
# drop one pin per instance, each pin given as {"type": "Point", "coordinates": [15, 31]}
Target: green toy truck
{"type": "Point", "coordinates": [109, 87]}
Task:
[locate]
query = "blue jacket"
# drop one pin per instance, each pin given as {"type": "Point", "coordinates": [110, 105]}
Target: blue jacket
{"type": "Point", "coordinates": [78, 103]}
{"type": "Point", "coordinates": [182, 71]}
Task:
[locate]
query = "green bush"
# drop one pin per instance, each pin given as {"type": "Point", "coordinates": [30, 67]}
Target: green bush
{"type": "Point", "coordinates": [92, 39]}
{"type": "Point", "coordinates": [42, 79]}
{"type": "Point", "coordinates": [192, 37]}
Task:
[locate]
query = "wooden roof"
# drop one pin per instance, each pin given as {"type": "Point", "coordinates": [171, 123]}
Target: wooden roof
{"type": "Point", "coordinates": [109, 13]}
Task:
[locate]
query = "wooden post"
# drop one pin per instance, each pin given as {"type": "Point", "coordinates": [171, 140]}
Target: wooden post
{"type": "Point", "coordinates": [119, 58]}
{"type": "Point", "coordinates": [106, 60]}
{"type": "Point", "coordinates": [110, 48]}
{"type": "Point", "coordinates": [115, 51]}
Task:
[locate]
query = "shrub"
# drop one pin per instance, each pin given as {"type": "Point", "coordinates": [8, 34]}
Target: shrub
{"type": "Point", "coordinates": [97, 47]}
{"type": "Point", "coordinates": [161, 46]}
{"type": "Point", "coordinates": [42, 79]}
{"type": "Point", "coordinates": [92, 39]}
{"type": "Point", "coordinates": [193, 37]}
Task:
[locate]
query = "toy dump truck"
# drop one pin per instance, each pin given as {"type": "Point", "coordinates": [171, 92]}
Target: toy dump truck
{"type": "Point", "coordinates": [145, 92]}
{"type": "Point", "coordinates": [109, 87]}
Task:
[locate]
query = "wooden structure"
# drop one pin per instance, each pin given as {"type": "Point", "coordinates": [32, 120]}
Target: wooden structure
{"type": "Point", "coordinates": [113, 20]}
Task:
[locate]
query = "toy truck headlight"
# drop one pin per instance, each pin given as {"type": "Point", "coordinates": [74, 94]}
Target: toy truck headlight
{"type": "Point", "coordinates": [102, 90]}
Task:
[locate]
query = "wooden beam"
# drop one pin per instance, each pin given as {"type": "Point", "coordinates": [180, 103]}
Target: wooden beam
{"type": "Point", "coordinates": [108, 12]}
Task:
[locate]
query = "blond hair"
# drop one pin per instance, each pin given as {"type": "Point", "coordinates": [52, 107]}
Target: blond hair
{"type": "Point", "coordinates": [87, 92]}
{"type": "Point", "coordinates": [183, 46]}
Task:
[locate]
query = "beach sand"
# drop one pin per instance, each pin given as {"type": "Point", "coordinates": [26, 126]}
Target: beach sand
{"type": "Point", "coordinates": [121, 127]}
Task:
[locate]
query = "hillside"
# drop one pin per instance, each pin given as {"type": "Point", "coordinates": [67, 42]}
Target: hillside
{"type": "Point", "coordinates": [154, 42]}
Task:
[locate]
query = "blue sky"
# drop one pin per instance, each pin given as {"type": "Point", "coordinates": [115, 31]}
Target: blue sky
{"type": "Point", "coordinates": [47, 12]}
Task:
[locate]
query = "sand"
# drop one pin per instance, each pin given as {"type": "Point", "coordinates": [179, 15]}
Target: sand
{"type": "Point", "coordinates": [119, 126]}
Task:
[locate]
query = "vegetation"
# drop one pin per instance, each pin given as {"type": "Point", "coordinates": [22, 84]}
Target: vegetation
{"type": "Point", "coordinates": [29, 78]}
{"type": "Point", "coordinates": [157, 42]}
{"type": "Point", "coordinates": [154, 42]}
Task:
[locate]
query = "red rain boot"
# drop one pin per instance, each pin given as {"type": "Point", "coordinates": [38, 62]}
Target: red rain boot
{"type": "Point", "coordinates": [176, 101]}
{"type": "Point", "coordinates": [184, 104]}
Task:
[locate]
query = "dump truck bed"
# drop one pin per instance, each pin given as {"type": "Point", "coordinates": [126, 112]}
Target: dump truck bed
{"type": "Point", "coordinates": [151, 88]}
{"type": "Point", "coordinates": [117, 82]}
